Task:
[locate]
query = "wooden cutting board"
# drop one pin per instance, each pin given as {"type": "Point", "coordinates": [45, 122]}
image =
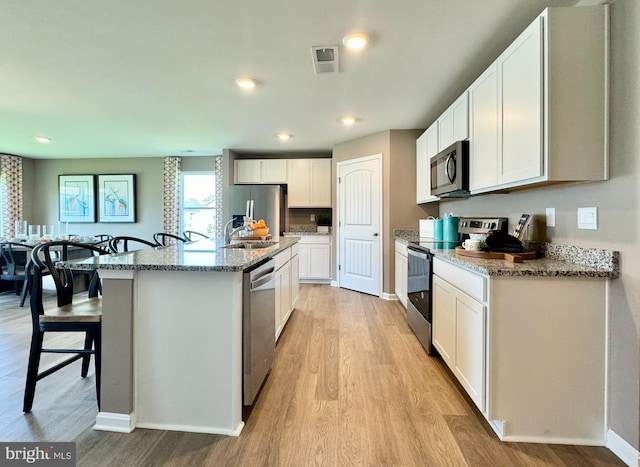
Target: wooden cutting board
{"type": "Point", "coordinates": [511, 257]}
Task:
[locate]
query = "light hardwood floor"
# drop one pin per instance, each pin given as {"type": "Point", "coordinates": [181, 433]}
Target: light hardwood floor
{"type": "Point", "coordinates": [350, 385]}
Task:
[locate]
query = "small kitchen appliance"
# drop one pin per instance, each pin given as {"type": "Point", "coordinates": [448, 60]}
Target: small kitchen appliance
{"type": "Point", "coordinates": [450, 171]}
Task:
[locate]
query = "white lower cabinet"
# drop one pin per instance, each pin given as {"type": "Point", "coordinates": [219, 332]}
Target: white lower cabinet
{"type": "Point", "coordinates": [401, 272]}
{"type": "Point", "coordinates": [459, 336]}
{"type": "Point", "coordinates": [287, 286]}
{"type": "Point", "coordinates": [295, 274]}
{"type": "Point", "coordinates": [315, 258]}
{"type": "Point", "coordinates": [530, 351]}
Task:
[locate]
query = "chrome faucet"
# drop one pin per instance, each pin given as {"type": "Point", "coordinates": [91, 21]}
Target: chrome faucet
{"type": "Point", "coordinates": [229, 234]}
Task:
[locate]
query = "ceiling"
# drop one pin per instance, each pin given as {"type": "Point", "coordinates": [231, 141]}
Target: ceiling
{"type": "Point", "coordinates": [143, 78]}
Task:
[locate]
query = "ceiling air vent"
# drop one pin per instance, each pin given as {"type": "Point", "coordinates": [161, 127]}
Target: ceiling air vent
{"type": "Point", "coordinates": [325, 58]}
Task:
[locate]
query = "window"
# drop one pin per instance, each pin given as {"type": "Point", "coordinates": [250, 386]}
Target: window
{"type": "Point", "coordinates": [199, 202]}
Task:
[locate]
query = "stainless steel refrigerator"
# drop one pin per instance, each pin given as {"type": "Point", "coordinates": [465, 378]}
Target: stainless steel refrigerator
{"type": "Point", "coordinates": [268, 203]}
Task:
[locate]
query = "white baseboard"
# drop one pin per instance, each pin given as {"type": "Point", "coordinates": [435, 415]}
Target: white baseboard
{"type": "Point", "coordinates": [193, 429]}
{"type": "Point", "coordinates": [627, 453]}
{"type": "Point", "coordinates": [117, 422]}
{"type": "Point", "coordinates": [389, 296]}
{"type": "Point", "coordinates": [335, 284]}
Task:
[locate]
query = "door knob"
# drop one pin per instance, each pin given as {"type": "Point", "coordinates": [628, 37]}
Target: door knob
{"type": "Point", "coordinates": [375, 234]}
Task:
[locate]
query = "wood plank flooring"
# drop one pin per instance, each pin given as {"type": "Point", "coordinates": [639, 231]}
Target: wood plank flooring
{"type": "Point", "coordinates": [350, 385]}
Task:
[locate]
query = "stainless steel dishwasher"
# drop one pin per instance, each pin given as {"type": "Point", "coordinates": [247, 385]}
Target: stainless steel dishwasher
{"type": "Point", "coordinates": [258, 327]}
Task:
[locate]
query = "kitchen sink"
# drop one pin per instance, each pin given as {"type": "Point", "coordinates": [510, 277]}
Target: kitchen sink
{"type": "Point", "coordinates": [250, 245]}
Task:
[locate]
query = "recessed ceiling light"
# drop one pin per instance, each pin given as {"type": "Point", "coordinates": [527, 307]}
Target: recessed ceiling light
{"type": "Point", "coordinates": [43, 139]}
{"type": "Point", "coordinates": [356, 40]}
{"type": "Point", "coordinates": [348, 120]}
{"type": "Point", "coordinates": [246, 83]}
{"type": "Point", "coordinates": [284, 136]}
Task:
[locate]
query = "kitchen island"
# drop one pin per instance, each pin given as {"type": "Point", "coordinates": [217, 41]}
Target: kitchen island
{"type": "Point", "coordinates": [172, 336]}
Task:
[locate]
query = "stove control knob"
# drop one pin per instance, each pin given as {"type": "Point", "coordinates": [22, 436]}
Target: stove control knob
{"type": "Point", "coordinates": [493, 226]}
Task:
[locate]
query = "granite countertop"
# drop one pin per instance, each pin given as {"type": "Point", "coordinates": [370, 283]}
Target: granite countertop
{"type": "Point", "coordinates": [305, 232]}
{"type": "Point", "coordinates": [304, 229]}
{"type": "Point", "coordinates": [557, 260]}
{"type": "Point", "coordinates": [203, 255]}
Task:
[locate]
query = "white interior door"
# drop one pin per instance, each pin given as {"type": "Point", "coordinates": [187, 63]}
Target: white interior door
{"type": "Point", "coordinates": [359, 227]}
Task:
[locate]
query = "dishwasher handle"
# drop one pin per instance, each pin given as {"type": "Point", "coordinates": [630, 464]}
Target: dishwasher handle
{"type": "Point", "coordinates": [264, 278]}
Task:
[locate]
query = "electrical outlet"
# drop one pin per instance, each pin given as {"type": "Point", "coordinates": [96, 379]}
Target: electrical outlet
{"type": "Point", "coordinates": [551, 217]}
{"type": "Point", "coordinates": [588, 218]}
{"type": "Point", "coordinates": [313, 217]}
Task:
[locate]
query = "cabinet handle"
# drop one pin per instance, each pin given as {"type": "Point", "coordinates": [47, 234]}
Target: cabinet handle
{"type": "Point", "coordinates": [375, 234]}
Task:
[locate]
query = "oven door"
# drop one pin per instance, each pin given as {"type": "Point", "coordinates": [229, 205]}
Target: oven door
{"type": "Point", "coordinates": [419, 295]}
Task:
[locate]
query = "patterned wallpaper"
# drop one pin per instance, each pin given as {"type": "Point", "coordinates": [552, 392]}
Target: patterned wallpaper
{"type": "Point", "coordinates": [11, 192]}
{"type": "Point", "coordinates": [172, 195]}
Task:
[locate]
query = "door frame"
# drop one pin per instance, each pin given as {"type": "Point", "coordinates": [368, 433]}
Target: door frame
{"type": "Point", "coordinates": [381, 236]}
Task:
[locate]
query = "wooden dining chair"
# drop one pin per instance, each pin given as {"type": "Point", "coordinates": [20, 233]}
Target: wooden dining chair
{"type": "Point", "coordinates": [192, 235]}
{"type": "Point", "coordinates": [71, 313]}
{"type": "Point", "coordinates": [125, 243]}
{"type": "Point", "coordinates": [164, 238]}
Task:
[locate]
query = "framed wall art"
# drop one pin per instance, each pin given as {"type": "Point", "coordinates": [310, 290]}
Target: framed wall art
{"type": "Point", "coordinates": [76, 198]}
{"type": "Point", "coordinates": [117, 198]}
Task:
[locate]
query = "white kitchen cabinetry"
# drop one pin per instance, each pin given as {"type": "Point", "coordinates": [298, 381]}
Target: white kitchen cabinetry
{"type": "Point", "coordinates": [401, 272]}
{"type": "Point", "coordinates": [518, 346]}
{"type": "Point", "coordinates": [550, 104]}
{"type": "Point", "coordinates": [287, 286]}
{"type": "Point", "coordinates": [309, 183]}
{"type": "Point", "coordinates": [426, 147]}
{"type": "Point", "coordinates": [260, 171]}
{"type": "Point", "coordinates": [315, 258]}
{"type": "Point", "coordinates": [520, 101]}
{"type": "Point", "coordinates": [295, 274]}
{"type": "Point", "coordinates": [483, 131]}
{"type": "Point", "coordinates": [453, 124]}
{"type": "Point", "coordinates": [459, 334]}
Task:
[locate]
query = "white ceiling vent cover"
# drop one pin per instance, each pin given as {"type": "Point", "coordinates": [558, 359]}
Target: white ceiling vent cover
{"type": "Point", "coordinates": [325, 59]}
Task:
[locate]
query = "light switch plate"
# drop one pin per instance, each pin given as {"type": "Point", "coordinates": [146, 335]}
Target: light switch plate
{"type": "Point", "coordinates": [588, 218]}
{"type": "Point", "coordinates": [551, 217]}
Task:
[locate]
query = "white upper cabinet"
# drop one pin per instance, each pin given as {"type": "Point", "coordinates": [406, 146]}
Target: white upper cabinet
{"type": "Point", "coordinates": [259, 171]}
{"type": "Point", "coordinates": [520, 100]}
{"type": "Point", "coordinates": [453, 124]}
{"type": "Point", "coordinates": [483, 130]}
{"type": "Point", "coordinates": [309, 183]}
{"type": "Point", "coordinates": [545, 101]}
{"type": "Point", "coordinates": [426, 147]}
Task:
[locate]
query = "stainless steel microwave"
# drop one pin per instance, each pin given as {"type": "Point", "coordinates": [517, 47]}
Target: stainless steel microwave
{"type": "Point", "coordinates": [450, 171]}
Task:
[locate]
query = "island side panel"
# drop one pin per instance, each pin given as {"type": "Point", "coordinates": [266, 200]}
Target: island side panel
{"type": "Point", "coordinates": [188, 351]}
{"type": "Point", "coordinates": [116, 387]}
{"type": "Point", "coordinates": [117, 363]}
{"type": "Point", "coordinates": [547, 358]}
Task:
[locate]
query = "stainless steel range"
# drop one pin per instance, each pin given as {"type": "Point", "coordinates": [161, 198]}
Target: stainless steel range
{"type": "Point", "coordinates": [481, 225]}
{"type": "Point", "coordinates": [419, 269]}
